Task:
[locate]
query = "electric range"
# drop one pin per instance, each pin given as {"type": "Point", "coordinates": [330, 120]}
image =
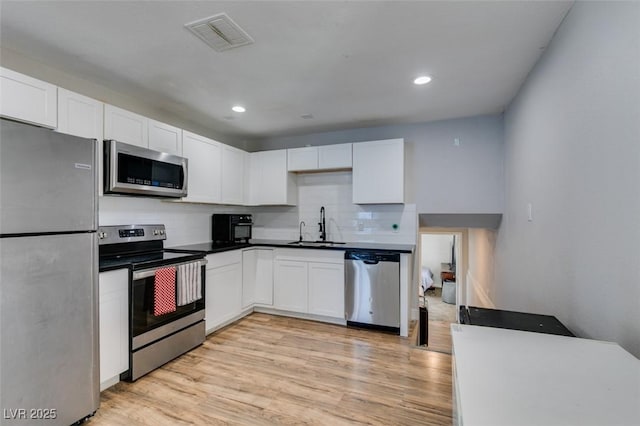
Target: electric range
{"type": "Point", "coordinates": [166, 294]}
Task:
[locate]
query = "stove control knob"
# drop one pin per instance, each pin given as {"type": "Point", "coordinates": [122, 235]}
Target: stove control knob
{"type": "Point", "coordinates": [162, 232]}
{"type": "Point", "coordinates": [156, 232]}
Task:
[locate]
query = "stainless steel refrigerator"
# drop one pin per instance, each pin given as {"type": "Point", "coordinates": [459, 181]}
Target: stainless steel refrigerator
{"type": "Point", "coordinates": [49, 365]}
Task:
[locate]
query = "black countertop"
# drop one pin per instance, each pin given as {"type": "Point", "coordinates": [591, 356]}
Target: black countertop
{"type": "Point", "coordinates": [211, 247]}
{"type": "Point", "coordinates": [522, 321]}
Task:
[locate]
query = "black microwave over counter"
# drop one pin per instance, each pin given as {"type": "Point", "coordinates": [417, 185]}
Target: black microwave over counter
{"type": "Point", "coordinates": [230, 228]}
{"type": "Point", "coordinates": [135, 170]}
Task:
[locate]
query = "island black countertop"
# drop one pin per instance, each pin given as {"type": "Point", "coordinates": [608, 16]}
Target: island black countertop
{"type": "Point", "coordinates": [212, 247]}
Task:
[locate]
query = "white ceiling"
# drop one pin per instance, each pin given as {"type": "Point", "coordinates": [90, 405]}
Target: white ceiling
{"type": "Point", "coordinates": [350, 64]}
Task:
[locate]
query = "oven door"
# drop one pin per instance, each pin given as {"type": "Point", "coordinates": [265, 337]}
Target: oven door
{"type": "Point", "coordinates": [241, 231]}
{"type": "Point", "coordinates": [147, 327]}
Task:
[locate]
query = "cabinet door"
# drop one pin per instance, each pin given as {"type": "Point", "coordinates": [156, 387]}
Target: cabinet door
{"type": "Point", "coordinates": [276, 185]}
{"type": "Point", "coordinates": [299, 159]}
{"type": "Point", "coordinates": [378, 172]}
{"type": "Point", "coordinates": [125, 126]}
{"type": "Point", "coordinates": [290, 286]}
{"type": "Point", "coordinates": [326, 289]}
{"type": "Point", "coordinates": [334, 156]}
{"type": "Point", "coordinates": [232, 175]}
{"type": "Point", "coordinates": [81, 116]}
{"type": "Point", "coordinates": [114, 323]}
{"type": "Point", "coordinates": [249, 273]}
{"type": "Point", "coordinates": [264, 277]}
{"type": "Point", "coordinates": [204, 173]}
{"type": "Point", "coordinates": [252, 174]}
{"type": "Point", "coordinates": [165, 138]}
{"type": "Point", "coordinates": [27, 99]}
{"type": "Point", "coordinates": [224, 294]}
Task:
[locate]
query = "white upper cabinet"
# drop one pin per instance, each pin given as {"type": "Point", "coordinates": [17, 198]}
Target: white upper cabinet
{"type": "Point", "coordinates": [334, 156]}
{"type": "Point", "coordinates": [378, 172]}
{"type": "Point", "coordinates": [79, 115]}
{"type": "Point", "coordinates": [82, 116]}
{"type": "Point", "coordinates": [271, 183]}
{"type": "Point", "coordinates": [165, 138]}
{"type": "Point", "coordinates": [125, 126]}
{"type": "Point", "coordinates": [204, 168]}
{"type": "Point", "coordinates": [27, 99]}
{"type": "Point", "coordinates": [300, 159]}
{"type": "Point", "coordinates": [318, 158]}
{"type": "Point", "coordinates": [233, 187]}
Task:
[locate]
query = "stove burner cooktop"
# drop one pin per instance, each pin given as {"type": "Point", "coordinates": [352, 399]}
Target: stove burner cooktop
{"type": "Point", "coordinates": [146, 260]}
{"type": "Point", "coordinates": [138, 247]}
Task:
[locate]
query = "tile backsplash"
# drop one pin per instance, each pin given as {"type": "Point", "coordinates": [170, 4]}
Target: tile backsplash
{"type": "Point", "coordinates": [191, 223]}
{"type": "Point", "coordinates": [345, 221]}
{"type": "Point", "coordinates": [186, 223]}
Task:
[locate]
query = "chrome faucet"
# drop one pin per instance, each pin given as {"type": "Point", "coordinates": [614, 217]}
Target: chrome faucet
{"type": "Point", "coordinates": [301, 224]}
{"type": "Point", "coordinates": [323, 226]}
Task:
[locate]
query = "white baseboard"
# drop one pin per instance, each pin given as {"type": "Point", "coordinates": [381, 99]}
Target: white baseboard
{"type": "Point", "coordinates": [109, 382]}
{"type": "Point", "coordinates": [312, 317]}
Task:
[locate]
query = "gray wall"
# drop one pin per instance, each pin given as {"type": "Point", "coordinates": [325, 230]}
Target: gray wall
{"type": "Point", "coordinates": [572, 149]}
{"type": "Point", "coordinates": [441, 177]}
{"type": "Point", "coordinates": [480, 282]}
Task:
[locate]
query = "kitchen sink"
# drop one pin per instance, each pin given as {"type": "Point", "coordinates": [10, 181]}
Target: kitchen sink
{"type": "Point", "coordinates": [315, 243]}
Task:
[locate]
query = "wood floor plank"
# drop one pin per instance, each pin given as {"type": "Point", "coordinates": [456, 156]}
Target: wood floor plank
{"type": "Point", "coordinates": [267, 369]}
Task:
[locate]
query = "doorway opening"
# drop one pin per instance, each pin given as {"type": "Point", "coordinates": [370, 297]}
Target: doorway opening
{"type": "Point", "coordinates": [440, 286]}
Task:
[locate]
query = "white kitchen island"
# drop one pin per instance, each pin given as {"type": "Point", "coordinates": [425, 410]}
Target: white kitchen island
{"type": "Point", "coordinates": [509, 377]}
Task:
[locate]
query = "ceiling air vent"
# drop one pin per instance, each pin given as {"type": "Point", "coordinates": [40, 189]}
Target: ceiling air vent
{"type": "Point", "coordinates": [220, 32]}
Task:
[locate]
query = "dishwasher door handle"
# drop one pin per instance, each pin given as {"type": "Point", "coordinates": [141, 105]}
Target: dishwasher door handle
{"type": "Point", "coordinates": [370, 262]}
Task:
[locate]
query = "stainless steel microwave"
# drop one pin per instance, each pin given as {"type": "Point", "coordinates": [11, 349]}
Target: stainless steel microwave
{"type": "Point", "coordinates": [133, 170]}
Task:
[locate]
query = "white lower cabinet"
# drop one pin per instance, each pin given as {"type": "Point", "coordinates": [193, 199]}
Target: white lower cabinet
{"type": "Point", "coordinates": [114, 326]}
{"type": "Point", "coordinates": [309, 281]}
{"type": "Point", "coordinates": [223, 289]}
{"type": "Point", "coordinates": [290, 285]}
{"type": "Point", "coordinates": [257, 277]}
{"type": "Point", "coordinates": [326, 289]}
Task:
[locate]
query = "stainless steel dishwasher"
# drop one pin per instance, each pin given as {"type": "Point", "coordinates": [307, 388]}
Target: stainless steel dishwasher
{"type": "Point", "coordinates": [372, 290]}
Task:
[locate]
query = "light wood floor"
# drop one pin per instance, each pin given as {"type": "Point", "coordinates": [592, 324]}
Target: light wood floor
{"type": "Point", "coordinates": [275, 370]}
{"type": "Point", "coordinates": [441, 315]}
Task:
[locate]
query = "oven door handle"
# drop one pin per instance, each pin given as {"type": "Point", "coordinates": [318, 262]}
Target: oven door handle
{"type": "Point", "coordinates": [146, 273]}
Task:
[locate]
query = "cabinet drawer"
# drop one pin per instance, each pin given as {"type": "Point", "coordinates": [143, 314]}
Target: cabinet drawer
{"type": "Point", "coordinates": [217, 260]}
{"type": "Point", "coordinates": [310, 255]}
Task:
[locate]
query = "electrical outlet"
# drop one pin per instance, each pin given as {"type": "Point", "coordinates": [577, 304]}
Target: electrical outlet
{"type": "Point", "coordinates": [456, 141]}
{"type": "Point", "coordinates": [360, 226]}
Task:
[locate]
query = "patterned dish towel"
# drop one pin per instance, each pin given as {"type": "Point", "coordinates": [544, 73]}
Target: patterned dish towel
{"type": "Point", "coordinates": [164, 291]}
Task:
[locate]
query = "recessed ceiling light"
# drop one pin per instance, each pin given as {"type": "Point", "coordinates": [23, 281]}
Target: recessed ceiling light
{"type": "Point", "coordinates": [423, 79]}
{"type": "Point", "coordinates": [238, 108]}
